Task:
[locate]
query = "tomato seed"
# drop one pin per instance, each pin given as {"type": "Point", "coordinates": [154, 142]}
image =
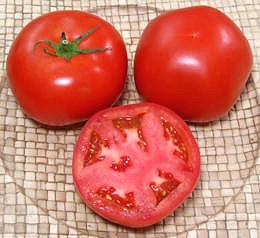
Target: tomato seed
{"type": "Point", "coordinates": [170, 133]}
{"type": "Point", "coordinates": [126, 202]}
{"type": "Point", "coordinates": [123, 123]}
{"type": "Point", "coordinates": [123, 163]}
{"type": "Point", "coordinates": [163, 189]}
{"type": "Point", "coordinates": [94, 149]}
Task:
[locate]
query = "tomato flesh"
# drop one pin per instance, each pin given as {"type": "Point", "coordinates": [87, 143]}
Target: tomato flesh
{"type": "Point", "coordinates": [135, 164]}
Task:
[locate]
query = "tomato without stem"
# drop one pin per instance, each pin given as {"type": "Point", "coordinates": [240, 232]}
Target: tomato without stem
{"type": "Point", "coordinates": [195, 61]}
{"type": "Point", "coordinates": [135, 164]}
{"type": "Point", "coordinates": [66, 65]}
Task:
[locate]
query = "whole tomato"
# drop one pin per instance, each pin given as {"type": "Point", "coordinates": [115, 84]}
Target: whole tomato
{"type": "Point", "coordinates": [194, 60]}
{"type": "Point", "coordinates": [66, 65]}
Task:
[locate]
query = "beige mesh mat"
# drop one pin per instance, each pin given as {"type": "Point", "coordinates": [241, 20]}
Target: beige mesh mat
{"type": "Point", "coordinates": [37, 195]}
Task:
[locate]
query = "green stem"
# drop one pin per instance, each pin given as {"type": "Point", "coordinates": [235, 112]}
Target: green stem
{"type": "Point", "coordinates": [67, 49]}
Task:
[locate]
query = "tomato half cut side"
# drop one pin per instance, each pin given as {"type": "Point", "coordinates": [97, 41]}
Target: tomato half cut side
{"type": "Point", "coordinates": [135, 164]}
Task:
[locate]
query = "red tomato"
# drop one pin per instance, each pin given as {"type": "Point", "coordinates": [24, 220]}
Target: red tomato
{"type": "Point", "coordinates": [60, 79]}
{"type": "Point", "coordinates": [195, 61]}
{"type": "Point", "coordinates": [135, 164]}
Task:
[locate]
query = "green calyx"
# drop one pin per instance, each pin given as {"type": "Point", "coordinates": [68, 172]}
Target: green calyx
{"type": "Point", "coordinates": [67, 49]}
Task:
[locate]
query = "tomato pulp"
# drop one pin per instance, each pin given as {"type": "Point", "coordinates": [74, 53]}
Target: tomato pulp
{"type": "Point", "coordinates": [195, 61]}
{"type": "Point", "coordinates": [66, 65]}
{"type": "Point", "coordinates": [135, 164]}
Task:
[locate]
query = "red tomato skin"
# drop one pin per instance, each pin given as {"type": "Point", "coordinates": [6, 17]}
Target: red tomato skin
{"type": "Point", "coordinates": [195, 61]}
{"type": "Point", "coordinates": [56, 92]}
{"type": "Point", "coordinates": [146, 216]}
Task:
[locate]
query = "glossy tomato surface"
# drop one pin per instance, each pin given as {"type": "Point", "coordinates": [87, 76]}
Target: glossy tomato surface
{"type": "Point", "coordinates": [195, 61]}
{"type": "Point", "coordinates": [135, 164]}
{"type": "Point", "coordinates": [56, 91]}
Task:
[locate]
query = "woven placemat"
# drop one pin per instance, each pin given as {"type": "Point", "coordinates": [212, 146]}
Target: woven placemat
{"type": "Point", "coordinates": [37, 195]}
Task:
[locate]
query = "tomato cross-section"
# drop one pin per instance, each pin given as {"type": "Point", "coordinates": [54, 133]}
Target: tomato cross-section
{"type": "Point", "coordinates": [135, 164]}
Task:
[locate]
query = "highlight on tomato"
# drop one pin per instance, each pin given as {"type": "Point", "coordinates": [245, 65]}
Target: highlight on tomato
{"type": "Point", "coordinates": [135, 164]}
{"type": "Point", "coordinates": [195, 61]}
{"type": "Point", "coordinates": [64, 66]}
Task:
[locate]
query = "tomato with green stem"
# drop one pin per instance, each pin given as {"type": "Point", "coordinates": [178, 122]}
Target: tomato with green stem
{"type": "Point", "coordinates": [66, 65]}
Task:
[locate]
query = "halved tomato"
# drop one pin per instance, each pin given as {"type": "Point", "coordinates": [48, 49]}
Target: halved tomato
{"type": "Point", "coordinates": [135, 164]}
